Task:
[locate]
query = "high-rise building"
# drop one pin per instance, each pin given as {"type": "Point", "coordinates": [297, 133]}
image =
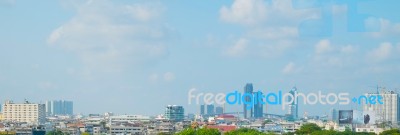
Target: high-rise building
{"type": "Point", "coordinates": [174, 113]}
{"type": "Point", "coordinates": [210, 109]}
{"type": "Point", "coordinates": [248, 90]}
{"type": "Point", "coordinates": [258, 106]}
{"type": "Point", "coordinates": [59, 107]}
{"type": "Point", "coordinates": [219, 110]}
{"type": "Point", "coordinates": [24, 112]}
{"type": "Point", "coordinates": [202, 109]}
{"type": "Point", "coordinates": [293, 110]}
{"type": "Point", "coordinates": [389, 111]}
{"type": "Point", "coordinates": [334, 115]}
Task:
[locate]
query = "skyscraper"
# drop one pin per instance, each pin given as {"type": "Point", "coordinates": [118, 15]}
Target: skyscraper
{"type": "Point", "coordinates": [219, 110]}
{"type": "Point", "coordinates": [389, 111]}
{"type": "Point", "coordinates": [210, 109]}
{"type": "Point", "coordinates": [202, 109]}
{"type": "Point", "coordinates": [258, 106]}
{"type": "Point", "coordinates": [174, 113]}
{"type": "Point", "coordinates": [59, 107]}
{"type": "Point", "coordinates": [293, 107]}
{"type": "Point", "coordinates": [248, 89]}
{"type": "Point", "coordinates": [334, 115]}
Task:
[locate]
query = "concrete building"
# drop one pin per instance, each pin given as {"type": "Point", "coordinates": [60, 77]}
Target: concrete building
{"type": "Point", "coordinates": [388, 112]}
{"type": "Point", "coordinates": [129, 118]}
{"type": "Point", "coordinates": [127, 129]}
{"type": "Point", "coordinates": [174, 113]}
{"type": "Point", "coordinates": [24, 112]}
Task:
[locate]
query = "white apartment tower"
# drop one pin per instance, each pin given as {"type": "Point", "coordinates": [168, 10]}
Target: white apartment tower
{"type": "Point", "coordinates": [387, 112]}
{"type": "Point", "coordinates": [24, 112]}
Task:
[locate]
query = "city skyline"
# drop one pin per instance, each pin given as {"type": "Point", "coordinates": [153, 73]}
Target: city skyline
{"type": "Point", "coordinates": [136, 57]}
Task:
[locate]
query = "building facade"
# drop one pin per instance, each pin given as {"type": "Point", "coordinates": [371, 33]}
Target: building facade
{"type": "Point", "coordinates": [388, 112]}
{"type": "Point", "coordinates": [174, 113]}
{"type": "Point", "coordinates": [248, 113]}
{"type": "Point", "coordinates": [210, 109]}
{"type": "Point", "coordinates": [219, 110]}
{"type": "Point", "coordinates": [24, 112]}
{"type": "Point", "coordinates": [293, 109]}
{"type": "Point", "coordinates": [59, 107]}
{"type": "Point", "coordinates": [258, 107]}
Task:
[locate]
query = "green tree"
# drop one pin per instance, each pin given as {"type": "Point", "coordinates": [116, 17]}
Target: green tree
{"type": "Point", "coordinates": [308, 128]}
{"type": "Point", "coordinates": [202, 131]}
{"type": "Point", "coordinates": [56, 132]}
{"type": "Point", "coordinates": [85, 133]}
{"type": "Point", "coordinates": [245, 131]}
{"type": "Point", "coordinates": [391, 132]}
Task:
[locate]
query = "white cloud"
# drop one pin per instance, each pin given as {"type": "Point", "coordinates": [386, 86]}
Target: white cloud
{"type": "Point", "coordinates": [252, 12]}
{"type": "Point", "coordinates": [323, 46]}
{"type": "Point", "coordinates": [348, 49]}
{"type": "Point", "coordinates": [387, 28]}
{"type": "Point", "coordinates": [290, 68]}
{"type": "Point", "coordinates": [107, 37]}
{"type": "Point", "coordinates": [238, 49]}
{"type": "Point", "coordinates": [381, 53]}
{"type": "Point", "coordinates": [244, 12]}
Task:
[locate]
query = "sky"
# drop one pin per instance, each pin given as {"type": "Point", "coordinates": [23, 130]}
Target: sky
{"type": "Point", "coordinates": [136, 57]}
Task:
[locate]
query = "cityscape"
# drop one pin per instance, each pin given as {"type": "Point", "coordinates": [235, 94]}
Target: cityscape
{"type": "Point", "coordinates": [58, 115]}
{"type": "Point", "coordinates": [205, 67]}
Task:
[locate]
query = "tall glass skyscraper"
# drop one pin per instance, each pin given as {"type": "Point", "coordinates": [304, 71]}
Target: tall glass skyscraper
{"type": "Point", "coordinates": [174, 113]}
{"type": "Point", "coordinates": [59, 107]}
{"type": "Point", "coordinates": [293, 107]}
{"type": "Point", "coordinates": [202, 109]}
{"type": "Point", "coordinates": [248, 89]}
{"type": "Point", "coordinates": [258, 107]}
{"type": "Point", "coordinates": [210, 110]}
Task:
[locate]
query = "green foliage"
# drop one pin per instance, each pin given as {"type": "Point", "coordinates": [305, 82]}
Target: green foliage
{"type": "Point", "coordinates": [391, 132]}
{"type": "Point", "coordinates": [202, 131]}
{"type": "Point", "coordinates": [56, 132]}
{"type": "Point", "coordinates": [245, 131]}
{"type": "Point", "coordinates": [85, 133]}
{"type": "Point", "coordinates": [308, 129]}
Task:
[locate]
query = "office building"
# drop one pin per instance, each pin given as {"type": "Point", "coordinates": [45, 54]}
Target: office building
{"type": "Point", "coordinates": [174, 113]}
{"type": "Point", "coordinates": [24, 112]}
{"type": "Point", "coordinates": [210, 110]}
{"type": "Point", "coordinates": [59, 107]}
{"type": "Point", "coordinates": [388, 112]}
{"type": "Point", "coordinates": [334, 115]}
{"type": "Point", "coordinates": [202, 109]}
{"type": "Point", "coordinates": [258, 107]}
{"type": "Point", "coordinates": [219, 110]}
{"type": "Point", "coordinates": [293, 109]}
{"type": "Point", "coordinates": [248, 110]}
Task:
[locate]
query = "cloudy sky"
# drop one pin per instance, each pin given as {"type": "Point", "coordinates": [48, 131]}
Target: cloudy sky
{"type": "Point", "coordinates": [135, 57]}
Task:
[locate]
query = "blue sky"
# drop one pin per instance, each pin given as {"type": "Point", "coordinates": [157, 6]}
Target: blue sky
{"type": "Point", "coordinates": [135, 57]}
